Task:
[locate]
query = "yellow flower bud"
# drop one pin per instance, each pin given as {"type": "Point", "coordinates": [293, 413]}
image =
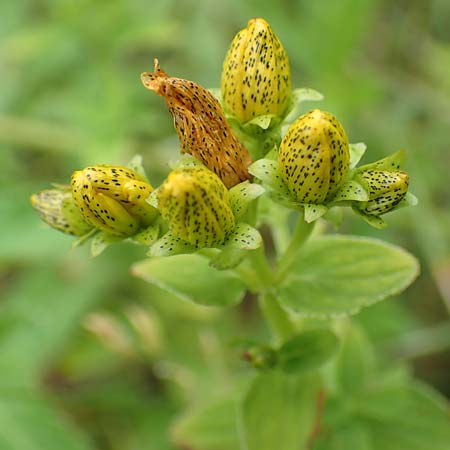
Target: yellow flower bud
{"type": "Point", "coordinates": [386, 190]}
{"type": "Point", "coordinates": [201, 126]}
{"type": "Point", "coordinates": [314, 157]}
{"type": "Point", "coordinates": [256, 77]}
{"type": "Point", "coordinates": [57, 208]}
{"type": "Point", "coordinates": [113, 199]}
{"type": "Point", "coordinates": [196, 205]}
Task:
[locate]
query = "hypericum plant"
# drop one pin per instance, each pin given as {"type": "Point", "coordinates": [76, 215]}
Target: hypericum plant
{"type": "Point", "coordinates": [201, 227]}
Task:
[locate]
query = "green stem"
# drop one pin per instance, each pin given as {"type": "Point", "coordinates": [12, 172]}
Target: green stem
{"type": "Point", "coordinates": [277, 318]}
{"type": "Point", "coordinates": [301, 233]}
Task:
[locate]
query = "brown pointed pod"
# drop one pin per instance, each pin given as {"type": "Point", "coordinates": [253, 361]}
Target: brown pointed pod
{"type": "Point", "coordinates": [201, 126]}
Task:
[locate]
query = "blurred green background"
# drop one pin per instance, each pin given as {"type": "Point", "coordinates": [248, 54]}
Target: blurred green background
{"type": "Point", "coordinates": [91, 358]}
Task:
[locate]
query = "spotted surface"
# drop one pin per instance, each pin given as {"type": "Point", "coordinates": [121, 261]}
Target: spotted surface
{"type": "Point", "coordinates": [113, 199]}
{"type": "Point", "coordinates": [201, 126]}
{"type": "Point", "coordinates": [386, 190]}
{"type": "Point", "coordinates": [196, 205]}
{"type": "Point", "coordinates": [314, 157]}
{"type": "Point", "coordinates": [57, 208]}
{"type": "Point", "coordinates": [256, 76]}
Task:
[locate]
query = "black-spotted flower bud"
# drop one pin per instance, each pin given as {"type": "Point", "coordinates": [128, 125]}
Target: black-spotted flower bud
{"type": "Point", "coordinates": [386, 189]}
{"type": "Point", "coordinates": [113, 199]}
{"type": "Point", "coordinates": [196, 205]}
{"type": "Point", "coordinates": [256, 77]}
{"type": "Point", "coordinates": [314, 157]}
{"type": "Point", "coordinates": [201, 126]}
{"type": "Point", "coordinates": [57, 208]}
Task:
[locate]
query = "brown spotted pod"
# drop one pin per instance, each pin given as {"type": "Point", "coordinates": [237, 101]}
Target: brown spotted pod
{"type": "Point", "coordinates": [196, 205]}
{"type": "Point", "coordinates": [314, 157]}
{"type": "Point", "coordinates": [256, 76]}
{"type": "Point", "coordinates": [113, 199]}
{"type": "Point", "coordinates": [386, 189]}
{"type": "Point", "coordinates": [201, 126]}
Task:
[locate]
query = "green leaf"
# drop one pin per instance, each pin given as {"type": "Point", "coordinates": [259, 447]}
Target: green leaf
{"type": "Point", "coordinates": [169, 245]}
{"type": "Point", "coordinates": [242, 195]}
{"type": "Point", "coordinates": [210, 427]}
{"type": "Point", "coordinates": [245, 237]}
{"type": "Point", "coordinates": [409, 417]}
{"type": "Point", "coordinates": [351, 190]}
{"type": "Point", "coordinates": [339, 275]}
{"type": "Point", "coordinates": [314, 212]}
{"type": "Point", "coordinates": [279, 410]}
{"type": "Point", "coordinates": [356, 153]}
{"type": "Point", "coordinates": [189, 277]}
{"type": "Point", "coordinates": [307, 351]}
{"type": "Point", "coordinates": [355, 362]}
{"type": "Point", "coordinates": [28, 422]}
{"type": "Point", "coordinates": [352, 436]}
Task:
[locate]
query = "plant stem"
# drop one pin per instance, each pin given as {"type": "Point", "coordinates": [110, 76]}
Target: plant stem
{"type": "Point", "coordinates": [301, 233]}
{"type": "Point", "coordinates": [277, 318]}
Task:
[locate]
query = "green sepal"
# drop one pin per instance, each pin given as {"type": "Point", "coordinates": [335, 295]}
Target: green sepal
{"type": "Point", "coordinates": [314, 212]}
{"type": "Point", "coordinates": [147, 236]}
{"type": "Point", "coordinates": [264, 122]}
{"type": "Point", "coordinates": [299, 96]}
{"type": "Point", "coordinates": [375, 221]}
{"type": "Point", "coordinates": [185, 160]}
{"type": "Point", "coordinates": [169, 245]}
{"type": "Point", "coordinates": [356, 153]}
{"type": "Point", "coordinates": [228, 258]}
{"type": "Point", "coordinates": [351, 190]}
{"type": "Point", "coordinates": [136, 164]}
{"type": "Point", "coordinates": [244, 237]}
{"type": "Point", "coordinates": [152, 199]}
{"type": "Point", "coordinates": [82, 239]}
{"type": "Point", "coordinates": [390, 163]}
{"type": "Point", "coordinates": [242, 195]}
{"type": "Point", "coordinates": [102, 241]}
{"type": "Point", "coordinates": [268, 172]}
{"type": "Point", "coordinates": [409, 200]}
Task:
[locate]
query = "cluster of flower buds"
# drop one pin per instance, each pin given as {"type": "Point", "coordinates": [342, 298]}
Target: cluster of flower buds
{"type": "Point", "coordinates": [203, 203]}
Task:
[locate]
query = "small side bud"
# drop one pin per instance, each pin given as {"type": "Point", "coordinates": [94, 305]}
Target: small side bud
{"type": "Point", "coordinates": [256, 77]}
{"type": "Point", "coordinates": [196, 205]}
{"type": "Point", "coordinates": [113, 199]}
{"type": "Point", "coordinates": [57, 208]}
{"type": "Point", "coordinates": [386, 190]}
{"type": "Point", "coordinates": [314, 157]}
{"type": "Point", "coordinates": [201, 126]}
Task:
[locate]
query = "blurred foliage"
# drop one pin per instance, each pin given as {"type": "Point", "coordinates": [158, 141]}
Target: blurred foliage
{"type": "Point", "coordinates": [93, 358]}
